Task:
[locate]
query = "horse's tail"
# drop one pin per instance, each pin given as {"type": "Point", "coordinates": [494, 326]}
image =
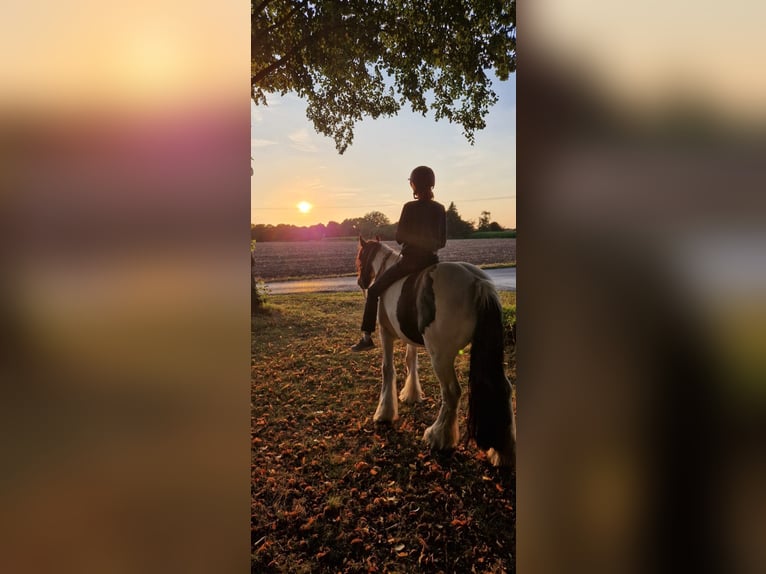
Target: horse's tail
{"type": "Point", "coordinates": [489, 402]}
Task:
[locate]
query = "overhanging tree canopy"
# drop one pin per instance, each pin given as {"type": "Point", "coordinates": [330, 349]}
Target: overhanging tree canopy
{"type": "Point", "coordinates": [355, 58]}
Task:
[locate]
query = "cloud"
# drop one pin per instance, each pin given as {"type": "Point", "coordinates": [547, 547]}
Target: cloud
{"type": "Point", "coordinates": [256, 115]}
{"type": "Point", "coordinates": [301, 141]}
{"type": "Point", "coordinates": [256, 143]}
{"type": "Point", "coordinates": [467, 158]}
{"type": "Point", "coordinates": [346, 189]}
{"type": "Point", "coordinates": [258, 112]}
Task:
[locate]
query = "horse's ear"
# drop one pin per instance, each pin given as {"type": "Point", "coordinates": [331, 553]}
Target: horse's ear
{"type": "Point", "coordinates": [377, 238]}
{"type": "Point", "coordinates": [361, 240]}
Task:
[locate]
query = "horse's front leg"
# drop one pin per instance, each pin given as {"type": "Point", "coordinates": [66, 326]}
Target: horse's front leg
{"type": "Point", "coordinates": [444, 433]}
{"type": "Point", "coordinates": [387, 404]}
{"type": "Point", "coordinates": [412, 392]}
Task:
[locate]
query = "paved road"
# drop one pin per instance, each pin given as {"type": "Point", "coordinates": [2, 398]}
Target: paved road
{"type": "Point", "coordinates": [505, 280]}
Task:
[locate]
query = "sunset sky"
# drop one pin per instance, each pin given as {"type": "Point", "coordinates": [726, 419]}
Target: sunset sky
{"type": "Point", "coordinates": [294, 165]}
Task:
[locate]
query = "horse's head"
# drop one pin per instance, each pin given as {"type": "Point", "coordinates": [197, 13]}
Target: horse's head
{"type": "Point", "coordinates": [365, 256]}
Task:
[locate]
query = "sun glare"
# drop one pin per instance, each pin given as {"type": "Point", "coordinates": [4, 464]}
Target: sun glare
{"type": "Point", "coordinates": [304, 207]}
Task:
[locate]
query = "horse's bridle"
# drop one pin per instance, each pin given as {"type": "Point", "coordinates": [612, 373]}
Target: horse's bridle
{"type": "Point", "coordinates": [366, 257]}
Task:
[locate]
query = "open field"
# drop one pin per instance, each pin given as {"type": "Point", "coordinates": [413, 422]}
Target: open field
{"type": "Point", "coordinates": [332, 491]}
{"type": "Point", "coordinates": [494, 234]}
{"type": "Point", "coordinates": [288, 260]}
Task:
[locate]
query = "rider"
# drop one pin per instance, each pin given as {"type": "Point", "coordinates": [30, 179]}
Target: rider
{"type": "Point", "coordinates": [422, 231]}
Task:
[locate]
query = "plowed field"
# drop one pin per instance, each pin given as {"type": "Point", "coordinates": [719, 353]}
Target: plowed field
{"type": "Point", "coordinates": [283, 260]}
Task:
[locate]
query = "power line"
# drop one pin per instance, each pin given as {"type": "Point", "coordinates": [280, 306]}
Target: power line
{"type": "Point", "coordinates": [486, 198]}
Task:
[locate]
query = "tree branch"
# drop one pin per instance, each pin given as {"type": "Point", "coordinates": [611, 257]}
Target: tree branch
{"type": "Point", "coordinates": [287, 16]}
{"type": "Point", "coordinates": [290, 54]}
{"type": "Point", "coordinates": [261, 6]}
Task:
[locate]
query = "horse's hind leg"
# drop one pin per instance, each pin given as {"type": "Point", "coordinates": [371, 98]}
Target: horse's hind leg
{"type": "Point", "coordinates": [387, 404]}
{"type": "Point", "coordinates": [412, 392]}
{"type": "Point", "coordinates": [444, 433]}
{"type": "Point", "coordinates": [507, 456]}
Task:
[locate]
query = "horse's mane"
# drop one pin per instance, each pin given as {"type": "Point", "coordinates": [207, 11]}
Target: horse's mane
{"type": "Point", "coordinates": [388, 248]}
{"type": "Point", "coordinates": [377, 245]}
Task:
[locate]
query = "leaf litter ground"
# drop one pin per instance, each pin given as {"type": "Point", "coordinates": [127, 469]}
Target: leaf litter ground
{"type": "Point", "coordinates": [334, 492]}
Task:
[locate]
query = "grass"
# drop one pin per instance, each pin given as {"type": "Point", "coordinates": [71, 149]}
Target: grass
{"type": "Point", "coordinates": [497, 265]}
{"type": "Point", "coordinates": [332, 491]}
{"type": "Point", "coordinates": [505, 234]}
{"type": "Point", "coordinates": [325, 276]}
{"type": "Point", "coordinates": [311, 277]}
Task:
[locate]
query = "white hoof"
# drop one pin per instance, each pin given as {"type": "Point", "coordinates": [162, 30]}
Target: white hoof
{"type": "Point", "coordinates": [501, 460]}
{"type": "Point", "coordinates": [437, 439]}
{"type": "Point", "coordinates": [427, 437]}
{"type": "Point", "coordinates": [411, 398]}
{"type": "Point", "coordinates": [383, 416]}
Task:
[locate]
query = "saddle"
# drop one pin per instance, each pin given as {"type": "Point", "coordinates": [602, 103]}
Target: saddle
{"type": "Point", "coordinates": [416, 307]}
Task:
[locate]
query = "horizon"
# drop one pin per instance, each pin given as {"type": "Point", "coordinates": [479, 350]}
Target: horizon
{"type": "Point", "coordinates": [293, 164]}
{"type": "Point", "coordinates": [325, 223]}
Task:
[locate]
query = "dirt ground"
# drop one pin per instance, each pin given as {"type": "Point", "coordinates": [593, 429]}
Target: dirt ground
{"type": "Point", "coordinates": [334, 492]}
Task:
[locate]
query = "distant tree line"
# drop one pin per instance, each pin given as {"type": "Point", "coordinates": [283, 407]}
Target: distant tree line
{"type": "Point", "coordinates": [369, 225]}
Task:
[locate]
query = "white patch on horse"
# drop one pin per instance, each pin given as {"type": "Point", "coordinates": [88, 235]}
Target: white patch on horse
{"type": "Point", "coordinates": [387, 410]}
{"type": "Point", "coordinates": [412, 391]}
{"type": "Point", "coordinates": [467, 311]}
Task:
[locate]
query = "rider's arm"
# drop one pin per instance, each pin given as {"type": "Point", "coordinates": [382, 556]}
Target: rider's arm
{"type": "Point", "coordinates": [403, 227]}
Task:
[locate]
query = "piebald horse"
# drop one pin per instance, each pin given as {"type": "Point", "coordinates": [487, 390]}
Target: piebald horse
{"type": "Point", "coordinates": [443, 308]}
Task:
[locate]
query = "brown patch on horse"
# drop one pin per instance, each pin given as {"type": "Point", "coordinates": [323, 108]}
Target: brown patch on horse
{"type": "Point", "coordinates": [365, 254]}
{"type": "Point", "coordinates": [364, 257]}
{"type": "Point", "coordinates": [416, 309]}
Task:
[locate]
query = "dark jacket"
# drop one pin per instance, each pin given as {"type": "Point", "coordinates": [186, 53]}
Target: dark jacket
{"type": "Point", "coordinates": [422, 228]}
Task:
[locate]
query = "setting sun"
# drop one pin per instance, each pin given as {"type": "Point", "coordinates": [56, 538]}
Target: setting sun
{"type": "Point", "coordinates": [304, 207]}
